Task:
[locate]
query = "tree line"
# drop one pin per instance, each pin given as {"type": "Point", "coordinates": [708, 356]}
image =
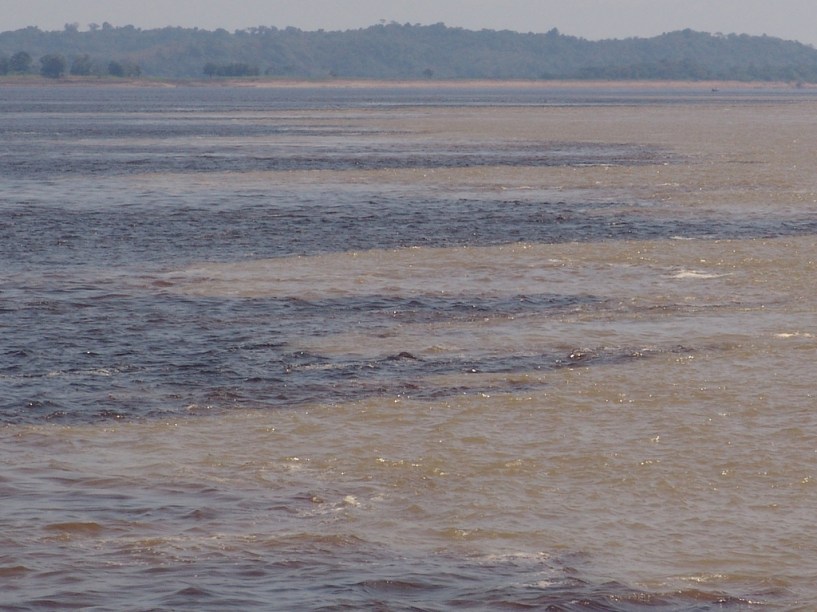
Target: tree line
{"type": "Point", "coordinates": [395, 51]}
{"type": "Point", "coordinates": [54, 66]}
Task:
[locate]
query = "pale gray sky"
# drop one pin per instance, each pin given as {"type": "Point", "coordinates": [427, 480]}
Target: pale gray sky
{"type": "Point", "coordinates": [593, 19]}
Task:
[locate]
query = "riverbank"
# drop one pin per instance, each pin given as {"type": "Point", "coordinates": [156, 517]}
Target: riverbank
{"type": "Point", "coordinates": [266, 82]}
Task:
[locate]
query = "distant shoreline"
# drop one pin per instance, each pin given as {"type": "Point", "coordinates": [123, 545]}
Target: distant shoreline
{"type": "Point", "coordinates": [272, 83]}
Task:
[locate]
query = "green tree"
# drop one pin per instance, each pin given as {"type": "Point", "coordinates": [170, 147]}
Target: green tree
{"type": "Point", "coordinates": [20, 62]}
{"type": "Point", "coordinates": [4, 64]}
{"type": "Point", "coordinates": [53, 65]}
{"type": "Point", "coordinates": [116, 69]}
{"type": "Point", "coordinates": [124, 69]}
{"type": "Point", "coordinates": [82, 65]}
{"type": "Point", "coordinates": [236, 69]}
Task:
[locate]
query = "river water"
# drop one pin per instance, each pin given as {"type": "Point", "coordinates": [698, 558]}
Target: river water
{"type": "Point", "coordinates": [408, 348]}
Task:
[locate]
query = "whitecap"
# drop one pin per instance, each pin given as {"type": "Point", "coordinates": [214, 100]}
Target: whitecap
{"type": "Point", "coordinates": [794, 335]}
{"type": "Point", "coordinates": [696, 274]}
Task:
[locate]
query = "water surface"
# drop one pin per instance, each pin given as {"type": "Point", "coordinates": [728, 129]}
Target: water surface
{"type": "Point", "coordinates": [407, 349]}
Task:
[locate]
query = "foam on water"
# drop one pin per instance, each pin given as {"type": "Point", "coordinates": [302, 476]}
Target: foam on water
{"type": "Point", "coordinates": [696, 274]}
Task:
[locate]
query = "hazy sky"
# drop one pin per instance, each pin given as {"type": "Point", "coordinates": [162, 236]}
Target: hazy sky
{"type": "Point", "coordinates": [593, 19]}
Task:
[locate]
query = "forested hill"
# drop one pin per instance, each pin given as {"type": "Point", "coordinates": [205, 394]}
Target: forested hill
{"type": "Point", "coordinates": [394, 51]}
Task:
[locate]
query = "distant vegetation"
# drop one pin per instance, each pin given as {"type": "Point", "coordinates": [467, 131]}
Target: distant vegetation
{"type": "Point", "coordinates": [395, 51]}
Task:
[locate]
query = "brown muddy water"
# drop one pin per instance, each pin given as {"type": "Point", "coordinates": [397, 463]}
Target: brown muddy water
{"type": "Point", "coordinates": [408, 349]}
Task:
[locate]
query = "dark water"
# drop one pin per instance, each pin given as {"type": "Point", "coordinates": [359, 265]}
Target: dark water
{"type": "Point", "coordinates": [77, 346]}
